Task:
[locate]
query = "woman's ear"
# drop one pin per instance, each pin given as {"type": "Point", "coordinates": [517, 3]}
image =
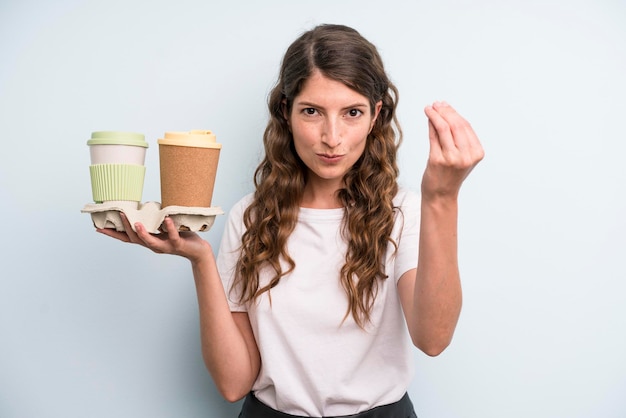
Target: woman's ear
{"type": "Point", "coordinates": [377, 107]}
{"type": "Point", "coordinates": [283, 108]}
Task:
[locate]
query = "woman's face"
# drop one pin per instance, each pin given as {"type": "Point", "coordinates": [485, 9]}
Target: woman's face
{"type": "Point", "coordinates": [330, 123]}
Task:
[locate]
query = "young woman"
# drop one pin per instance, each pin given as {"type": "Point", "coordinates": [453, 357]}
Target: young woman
{"type": "Point", "coordinates": [329, 271]}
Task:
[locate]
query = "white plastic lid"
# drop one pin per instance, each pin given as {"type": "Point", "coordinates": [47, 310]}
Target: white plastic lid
{"type": "Point", "coordinates": [117, 138]}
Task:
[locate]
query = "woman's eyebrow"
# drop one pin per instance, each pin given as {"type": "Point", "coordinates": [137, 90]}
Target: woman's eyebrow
{"type": "Point", "coordinates": [307, 103]}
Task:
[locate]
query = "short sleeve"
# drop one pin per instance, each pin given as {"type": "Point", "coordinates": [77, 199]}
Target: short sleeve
{"type": "Point", "coordinates": [228, 253]}
{"type": "Point", "coordinates": [406, 231]}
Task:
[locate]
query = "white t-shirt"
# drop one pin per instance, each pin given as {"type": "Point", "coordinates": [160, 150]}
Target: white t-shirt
{"type": "Point", "coordinates": [312, 363]}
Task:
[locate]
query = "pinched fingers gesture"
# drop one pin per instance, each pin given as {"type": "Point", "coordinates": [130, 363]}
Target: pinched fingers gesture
{"type": "Point", "coordinates": [454, 151]}
{"type": "Point", "coordinates": [170, 241]}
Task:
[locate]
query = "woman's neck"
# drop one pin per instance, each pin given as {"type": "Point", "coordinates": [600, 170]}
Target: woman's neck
{"type": "Point", "coordinates": [321, 196]}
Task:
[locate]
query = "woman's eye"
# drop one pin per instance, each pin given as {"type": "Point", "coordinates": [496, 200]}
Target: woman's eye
{"type": "Point", "coordinates": [309, 111]}
{"type": "Point", "coordinates": [353, 113]}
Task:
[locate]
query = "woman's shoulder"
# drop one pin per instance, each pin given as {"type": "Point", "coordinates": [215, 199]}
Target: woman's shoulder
{"type": "Point", "coordinates": [243, 202]}
{"type": "Point", "coordinates": [236, 211]}
{"type": "Point", "coordinates": [406, 197]}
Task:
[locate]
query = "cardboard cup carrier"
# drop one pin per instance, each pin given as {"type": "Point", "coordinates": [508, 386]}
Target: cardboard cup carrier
{"type": "Point", "coordinates": [188, 166]}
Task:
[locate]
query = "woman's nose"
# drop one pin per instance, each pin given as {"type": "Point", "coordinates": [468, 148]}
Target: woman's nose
{"type": "Point", "coordinates": [331, 135]}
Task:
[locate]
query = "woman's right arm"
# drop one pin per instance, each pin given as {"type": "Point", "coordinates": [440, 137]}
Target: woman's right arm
{"type": "Point", "coordinates": [228, 346]}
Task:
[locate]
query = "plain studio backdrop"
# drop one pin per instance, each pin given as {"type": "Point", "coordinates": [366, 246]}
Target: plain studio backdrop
{"type": "Point", "coordinates": [90, 327]}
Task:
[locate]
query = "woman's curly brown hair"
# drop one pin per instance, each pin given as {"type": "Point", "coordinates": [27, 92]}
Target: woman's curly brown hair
{"type": "Point", "coordinates": [342, 54]}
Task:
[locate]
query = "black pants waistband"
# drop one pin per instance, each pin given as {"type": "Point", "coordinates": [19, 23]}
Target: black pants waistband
{"type": "Point", "coordinates": [254, 408]}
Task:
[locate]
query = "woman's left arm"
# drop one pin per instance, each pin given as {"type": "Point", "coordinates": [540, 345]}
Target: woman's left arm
{"type": "Point", "coordinates": [431, 295]}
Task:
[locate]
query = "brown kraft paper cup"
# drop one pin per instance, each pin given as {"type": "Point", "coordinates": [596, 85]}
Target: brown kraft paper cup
{"type": "Point", "coordinates": [188, 167]}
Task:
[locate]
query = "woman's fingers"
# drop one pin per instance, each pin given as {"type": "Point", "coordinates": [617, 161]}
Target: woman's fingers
{"type": "Point", "coordinates": [454, 150]}
{"type": "Point", "coordinates": [435, 147]}
{"type": "Point", "coordinates": [174, 239]}
{"type": "Point", "coordinates": [159, 242]}
{"type": "Point", "coordinates": [132, 235]}
{"type": "Point", "coordinates": [453, 131]}
{"type": "Point", "coordinates": [452, 137]}
{"type": "Point", "coordinates": [440, 135]}
{"type": "Point", "coordinates": [137, 235]}
{"type": "Point", "coordinates": [168, 241]}
{"type": "Point", "coordinates": [463, 134]}
{"type": "Point", "coordinates": [120, 235]}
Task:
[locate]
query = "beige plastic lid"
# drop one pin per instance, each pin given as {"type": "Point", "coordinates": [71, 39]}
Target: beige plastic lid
{"type": "Point", "coordinates": [194, 138]}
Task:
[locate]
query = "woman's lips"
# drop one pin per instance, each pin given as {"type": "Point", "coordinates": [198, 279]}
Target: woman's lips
{"type": "Point", "coordinates": [330, 158]}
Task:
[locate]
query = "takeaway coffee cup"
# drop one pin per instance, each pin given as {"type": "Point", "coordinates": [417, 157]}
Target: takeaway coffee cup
{"type": "Point", "coordinates": [117, 165]}
{"type": "Point", "coordinates": [188, 165]}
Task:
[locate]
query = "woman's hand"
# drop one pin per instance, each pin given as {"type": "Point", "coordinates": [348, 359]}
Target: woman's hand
{"type": "Point", "coordinates": [454, 151]}
{"type": "Point", "coordinates": [170, 241]}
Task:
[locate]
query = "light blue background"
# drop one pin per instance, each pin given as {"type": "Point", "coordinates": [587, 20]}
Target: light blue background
{"type": "Point", "coordinates": [90, 327]}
